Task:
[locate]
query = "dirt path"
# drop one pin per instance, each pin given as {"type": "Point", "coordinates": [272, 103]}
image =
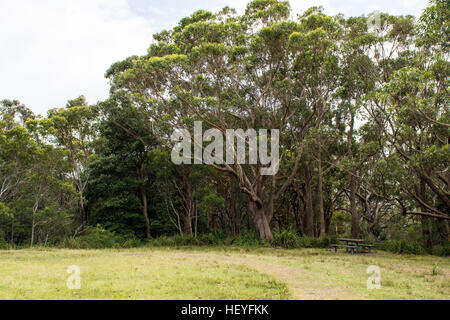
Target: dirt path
{"type": "Point", "coordinates": [305, 285]}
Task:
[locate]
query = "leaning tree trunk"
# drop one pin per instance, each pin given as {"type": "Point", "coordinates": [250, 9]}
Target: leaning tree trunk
{"type": "Point", "coordinates": [261, 221]}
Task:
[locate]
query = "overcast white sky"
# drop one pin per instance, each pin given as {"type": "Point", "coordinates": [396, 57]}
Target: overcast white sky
{"type": "Point", "coordinates": [55, 50]}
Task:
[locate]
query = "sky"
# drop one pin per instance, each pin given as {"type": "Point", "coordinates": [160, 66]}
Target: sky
{"type": "Point", "coordinates": [55, 50]}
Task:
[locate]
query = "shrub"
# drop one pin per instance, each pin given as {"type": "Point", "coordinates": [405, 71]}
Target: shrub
{"type": "Point", "coordinates": [71, 243]}
{"type": "Point", "coordinates": [130, 243]}
{"type": "Point", "coordinates": [403, 247]}
{"type": "Point", "coordinates": [3, 244]}
{"type": "Point", "coordinates": [247, 240]}
{"type": "Point", "coordinates": [442, 249]}
{"type": "Point", "coordinates": [325, 242]}
{"type": "Point", "coordinates": [307, 242]}
{"type": "Point", "coordinates": [287, 239]}
{"type": "Point", "coordinates": [99, 238]}
{"type": "Point", "coordinates": [173, 241]}
{"type": "Point", "coordinates": [435, 271]}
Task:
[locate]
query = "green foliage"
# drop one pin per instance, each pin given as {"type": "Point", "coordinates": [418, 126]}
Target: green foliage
{"type": "Point", "coordinates": [184, 240]}
{"type": "Point", "coordinates": [286, 239]}
{"type": "Point", "coordinates": [99, 238]}
{"type": "Point", "coordinates": [403, 247]}
{"type": "Point", "coordinates": [250, 239]}
{"type": "Point", "coordinates": [435, 271]}
{"type": "Point", "coordinates": [442, 249]}
{"type": "Point", "coordinates": [313, 76]}
{"type": "Point", "coordinates": [289, 239]}
{"type": "Point", "coordinates": [3, 244]}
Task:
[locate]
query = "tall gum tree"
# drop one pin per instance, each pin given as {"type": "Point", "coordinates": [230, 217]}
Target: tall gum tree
{"type": "Point", "coordinates": [230, 72]}
{"type": "Point", "coordinates": [73, 128]}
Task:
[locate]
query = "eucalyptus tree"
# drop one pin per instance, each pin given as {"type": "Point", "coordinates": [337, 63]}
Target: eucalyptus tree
{"type": "Point", "coordinates": [16, 145]}
{"type": "Point", "coordinates": [50, 193]}
{"type": "Point", "coordinates": [17, 148]}
{"type": "Point", "coordinates": [244, 72]}
{"type": "Point", "coordinates": [410, 108]}
{"type": "Point", "coordinates": [354, 85]}
{"type": "Point", "coordinates": [73, 128]}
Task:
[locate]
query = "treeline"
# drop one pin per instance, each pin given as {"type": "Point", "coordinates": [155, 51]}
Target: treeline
{"type": "Point", "coordinates": [361, 105]}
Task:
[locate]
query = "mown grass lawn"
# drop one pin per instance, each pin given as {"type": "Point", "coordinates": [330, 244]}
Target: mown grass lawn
{"type": "Point", "coordinates": [219, 273]}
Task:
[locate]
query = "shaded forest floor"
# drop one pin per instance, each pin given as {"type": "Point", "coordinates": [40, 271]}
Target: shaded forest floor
{"type": "Point", "coordinates": [219, 273]}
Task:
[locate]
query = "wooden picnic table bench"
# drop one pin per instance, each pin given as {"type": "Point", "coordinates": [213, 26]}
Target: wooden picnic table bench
{"type": "Point", "coordinates": [347, 248]}
{"type": "Point", "coordinates": [352, 245]}
{"type": "Point", "coordinates": [368, 246]}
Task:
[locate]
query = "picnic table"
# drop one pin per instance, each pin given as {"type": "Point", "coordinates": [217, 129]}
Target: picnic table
{"type": "Point", "coordinates": [353, 245]}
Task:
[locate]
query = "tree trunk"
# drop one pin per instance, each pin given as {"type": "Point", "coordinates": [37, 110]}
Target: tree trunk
{"type": "Point", "coordinates": [261, 222]}
{"type": "Point", "coordinates": [32, 231]}
{"type": "Point", "coordinates": [352, 181]}
{"type": "Point", "coordinates": [142, 180]}
{"type": "Point", "coordinates": [233, 206]}
{"type": "Point", "coordinates": [186, 194]}
{"type": "Point", "coordinates": [446, 230]}
{"type": "Point", "coordinates": [329, 216]}
{"type": "Point", "coordinates": [145, 211]}
{"type": "Point", "coordinates": [12, 231]}
{"type": "Point", "coordinates": [320, 191]}
{"type": "Point", "coordinates": [308, 216]}
{"type": "Point", "coordinates": [353, 208]}
{"type": "Point", "coordinates": [187, 223]}
{"type": "Point", "coordinates": [81, 213]}
{"type": "Point", "coordinates": [424, 220]}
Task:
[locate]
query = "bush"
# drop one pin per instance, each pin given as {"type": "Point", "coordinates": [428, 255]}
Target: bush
{"type": "Point", "coordinates": [71, 243]}
{"type": "Point", "coordinates": [247, 240]}
{"type": "Point", "coordinates": [308, 242]}
{"type": "Point", "coordinates": [325, 242]}
{"type": "Point", "coordinates": [287, 239]}
{"type": "Point", "coordinates": [174, 241]}
{"type": "Point", "coordinates": [130, 243]}
{"type": "Point", "coordinates": [442, 249]}
{"type": "Point", "coordinates": [3, 244]}
{"type": "Point", "coordinates": [403, 247]}
{"type": "Point", "coordinates": [185, 240]}
{"type": "Point", "coordinates": [99, 238]}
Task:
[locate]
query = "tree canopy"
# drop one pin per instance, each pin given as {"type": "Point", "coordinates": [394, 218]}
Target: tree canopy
{"type": "Point", "coordinates": [361, 109]}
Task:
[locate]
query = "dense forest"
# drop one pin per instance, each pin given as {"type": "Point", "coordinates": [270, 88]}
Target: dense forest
{"type": "Point", "coordinates": [361, 104]}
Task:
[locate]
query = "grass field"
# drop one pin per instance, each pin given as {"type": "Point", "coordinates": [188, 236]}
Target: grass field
{"type": "Point", "coordinates": [219, 273]}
